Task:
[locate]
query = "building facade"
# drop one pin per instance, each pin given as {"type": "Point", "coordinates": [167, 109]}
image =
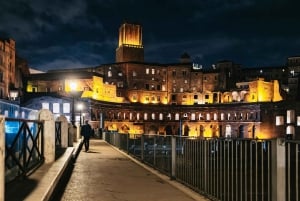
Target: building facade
{"type": "Point", "coordinates": [7, 68]}
{"type": "Point", "coordinates": [133, 96]}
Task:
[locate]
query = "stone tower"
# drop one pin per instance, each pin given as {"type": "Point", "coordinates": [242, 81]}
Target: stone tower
{"type": "Point", "coordinates": [130, 47]}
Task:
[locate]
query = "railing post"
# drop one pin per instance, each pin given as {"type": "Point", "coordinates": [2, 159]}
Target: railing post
{"type": "Point", "coordinates": [2, 157]}
{"type": "Point", "coordinates": [278, 169]}
{"type": "Point", "coordinates": [142, 147]}
{"type": "Point", "coordinates": [49, 135]}
{"type": "Point", "coordinates": [64, 131]}
{"type": "Point", "coordinates": [127, 143]}
{"type": "Point", "coordinates": [154, 151]}
{"type": "Point", "coordinates": [173, 157]}
{"type": "Point", "coordinates": [104, 135]}
{"type": "Point", "coordinates": [205, 159]}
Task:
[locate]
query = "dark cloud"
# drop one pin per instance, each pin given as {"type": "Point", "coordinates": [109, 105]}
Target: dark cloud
{"type": "Point", "coordinates": [79, 33]}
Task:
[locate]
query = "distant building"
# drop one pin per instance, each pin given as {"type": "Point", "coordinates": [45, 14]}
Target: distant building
{"type": "Point", "coordinates": [133, 96]}
{"type": "Point", "coordinates": [7, 68]}
{"type": "Point", "coordinates": [130, 47]}
{"type": "Point", "coordinates": [293, 65]}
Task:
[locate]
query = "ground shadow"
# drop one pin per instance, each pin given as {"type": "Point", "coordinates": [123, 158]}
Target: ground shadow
{"type": "Point", "coordinates": [19, 189]}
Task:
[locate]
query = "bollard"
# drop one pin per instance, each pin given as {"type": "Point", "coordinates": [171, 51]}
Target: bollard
{"type": "Point", "coordinates": [64, 131]}
{"type": "Point", "coordinates": [49, 134]}
{"type": "Point", "coordinates": [2, 157]}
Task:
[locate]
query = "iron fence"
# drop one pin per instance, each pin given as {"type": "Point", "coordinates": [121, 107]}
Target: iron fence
{"type": "Point", "coordinates": [292, 170]}
{"type": "Point", "coordinates": [24, 149]}
{"type": "Point", "coordinates": [58, 134]}
{"type": "Point", "coordinates": [228, 169]}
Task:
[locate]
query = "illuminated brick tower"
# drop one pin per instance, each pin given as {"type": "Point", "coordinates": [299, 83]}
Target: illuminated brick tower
{"type": "Point", "coordinates": [130, 46]}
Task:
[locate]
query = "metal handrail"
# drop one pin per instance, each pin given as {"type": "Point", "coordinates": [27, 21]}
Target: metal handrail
{"type": "Point", "coordinates": [24, 147]}
{"type": "Point", "coordinates": [220, 168]}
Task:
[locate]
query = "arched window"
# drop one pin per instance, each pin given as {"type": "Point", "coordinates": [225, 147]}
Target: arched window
{"type": "Point", "coordinates": [161, 117]}
{"type": "Point", "coordinates": [222, 117]}
{"type": "Point", "coordinates": [290, 116]}
{"type": "Point", "coordinates": [215, 116]}
{"type": "Point", "coordinates": [153, 116]}
{"type": "Point", "coordinates": [208, 117]}
{"type": "Point", "coordinates": [193, 116]}
{"type": "Point", "coordinates": [290, 130]}
{"type": "Point", "coordinates": [228, 131]}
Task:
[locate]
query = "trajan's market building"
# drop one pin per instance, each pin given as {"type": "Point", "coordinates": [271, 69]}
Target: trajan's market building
{"type": "Point", "coordinates": [133, 96]}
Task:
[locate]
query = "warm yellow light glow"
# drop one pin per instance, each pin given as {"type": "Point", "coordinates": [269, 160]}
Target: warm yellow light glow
{"type": "Point", "coordinates": [73, 86]}
{"type": "Point", "coordinates": [262, 91]}
{"type": "Point", "coordinates": [260, 135]}
{"type": "Point", "coordinates": [29, 87]}
{"type": "Point", "coordinates": [102, 91]}
{"type": "Point", "coordinates": [193, 132]}
{"type": "Point", "coordinates": [130, 35]}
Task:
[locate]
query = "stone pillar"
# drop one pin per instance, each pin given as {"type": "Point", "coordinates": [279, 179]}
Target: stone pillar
{"type": "Point", "coordinates": [2, 157]}
{"type": "Point", "coordinates": [278, 169]}
{"type": "Point", "coordinates": [71, 138]}
{"type": "Point", "coordinates": [49, 135]}
{"type": "Point", "coordinates": [73, 132]}
{"type": "Point", "coordinates": [78, 132]}
{"type": "Point", "coordinates": [64, 131]}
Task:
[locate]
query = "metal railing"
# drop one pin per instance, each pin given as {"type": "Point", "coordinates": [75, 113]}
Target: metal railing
{"type": "Point", "coordinates": [58, 134]}
{"type": "Point", "coordinates": [228, 169]}
{"type": "Point", "coordinates": [292, 170]}
{"type": "Point", "coordinates": [24, 147]}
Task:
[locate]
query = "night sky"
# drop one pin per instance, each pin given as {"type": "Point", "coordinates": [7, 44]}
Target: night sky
{"type": "Point", "coordinates": [82, 33]}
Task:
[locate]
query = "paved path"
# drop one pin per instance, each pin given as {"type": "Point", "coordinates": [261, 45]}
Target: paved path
{"type": "Point", "coordinates": [106, 174]}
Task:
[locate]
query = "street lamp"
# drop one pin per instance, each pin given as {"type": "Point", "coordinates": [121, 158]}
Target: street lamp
{"type": "Point", "coordinates": [73, 87]}
{"type": "Point", "coordinates": [13, 94]}
{"type": "Point", "coordinates": [80, 107]}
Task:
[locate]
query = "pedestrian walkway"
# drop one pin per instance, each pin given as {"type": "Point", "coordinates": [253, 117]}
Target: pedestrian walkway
{"type": "Point", "coordinates": [106, 174]}
{"type": "Point", "coordinates": [40, 185]}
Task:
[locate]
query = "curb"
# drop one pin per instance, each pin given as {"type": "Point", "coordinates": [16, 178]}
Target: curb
{"type": "Point", "coordinates": [48, 183]}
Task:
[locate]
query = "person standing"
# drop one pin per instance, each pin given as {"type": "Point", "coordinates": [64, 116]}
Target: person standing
{"type": "Point", "coordinates": [86, 132]}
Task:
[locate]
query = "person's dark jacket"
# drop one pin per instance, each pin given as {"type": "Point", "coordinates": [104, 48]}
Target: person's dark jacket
{"type": "Point", "coordinates": [86, 130]}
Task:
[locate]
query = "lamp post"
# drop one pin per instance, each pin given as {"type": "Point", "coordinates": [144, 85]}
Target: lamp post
{"type": "Point", "coordinates": [80, 107]}
{"type": "Point", "coordinates": [14, 96]}
{"type": "Point", "coordinates": [73, 87]}
{"type": "Point", "coordinates": [83, 117]}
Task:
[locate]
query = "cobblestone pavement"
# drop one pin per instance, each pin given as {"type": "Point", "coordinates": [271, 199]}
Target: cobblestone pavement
{"type": "Point", "coordinates": [105, 174]}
